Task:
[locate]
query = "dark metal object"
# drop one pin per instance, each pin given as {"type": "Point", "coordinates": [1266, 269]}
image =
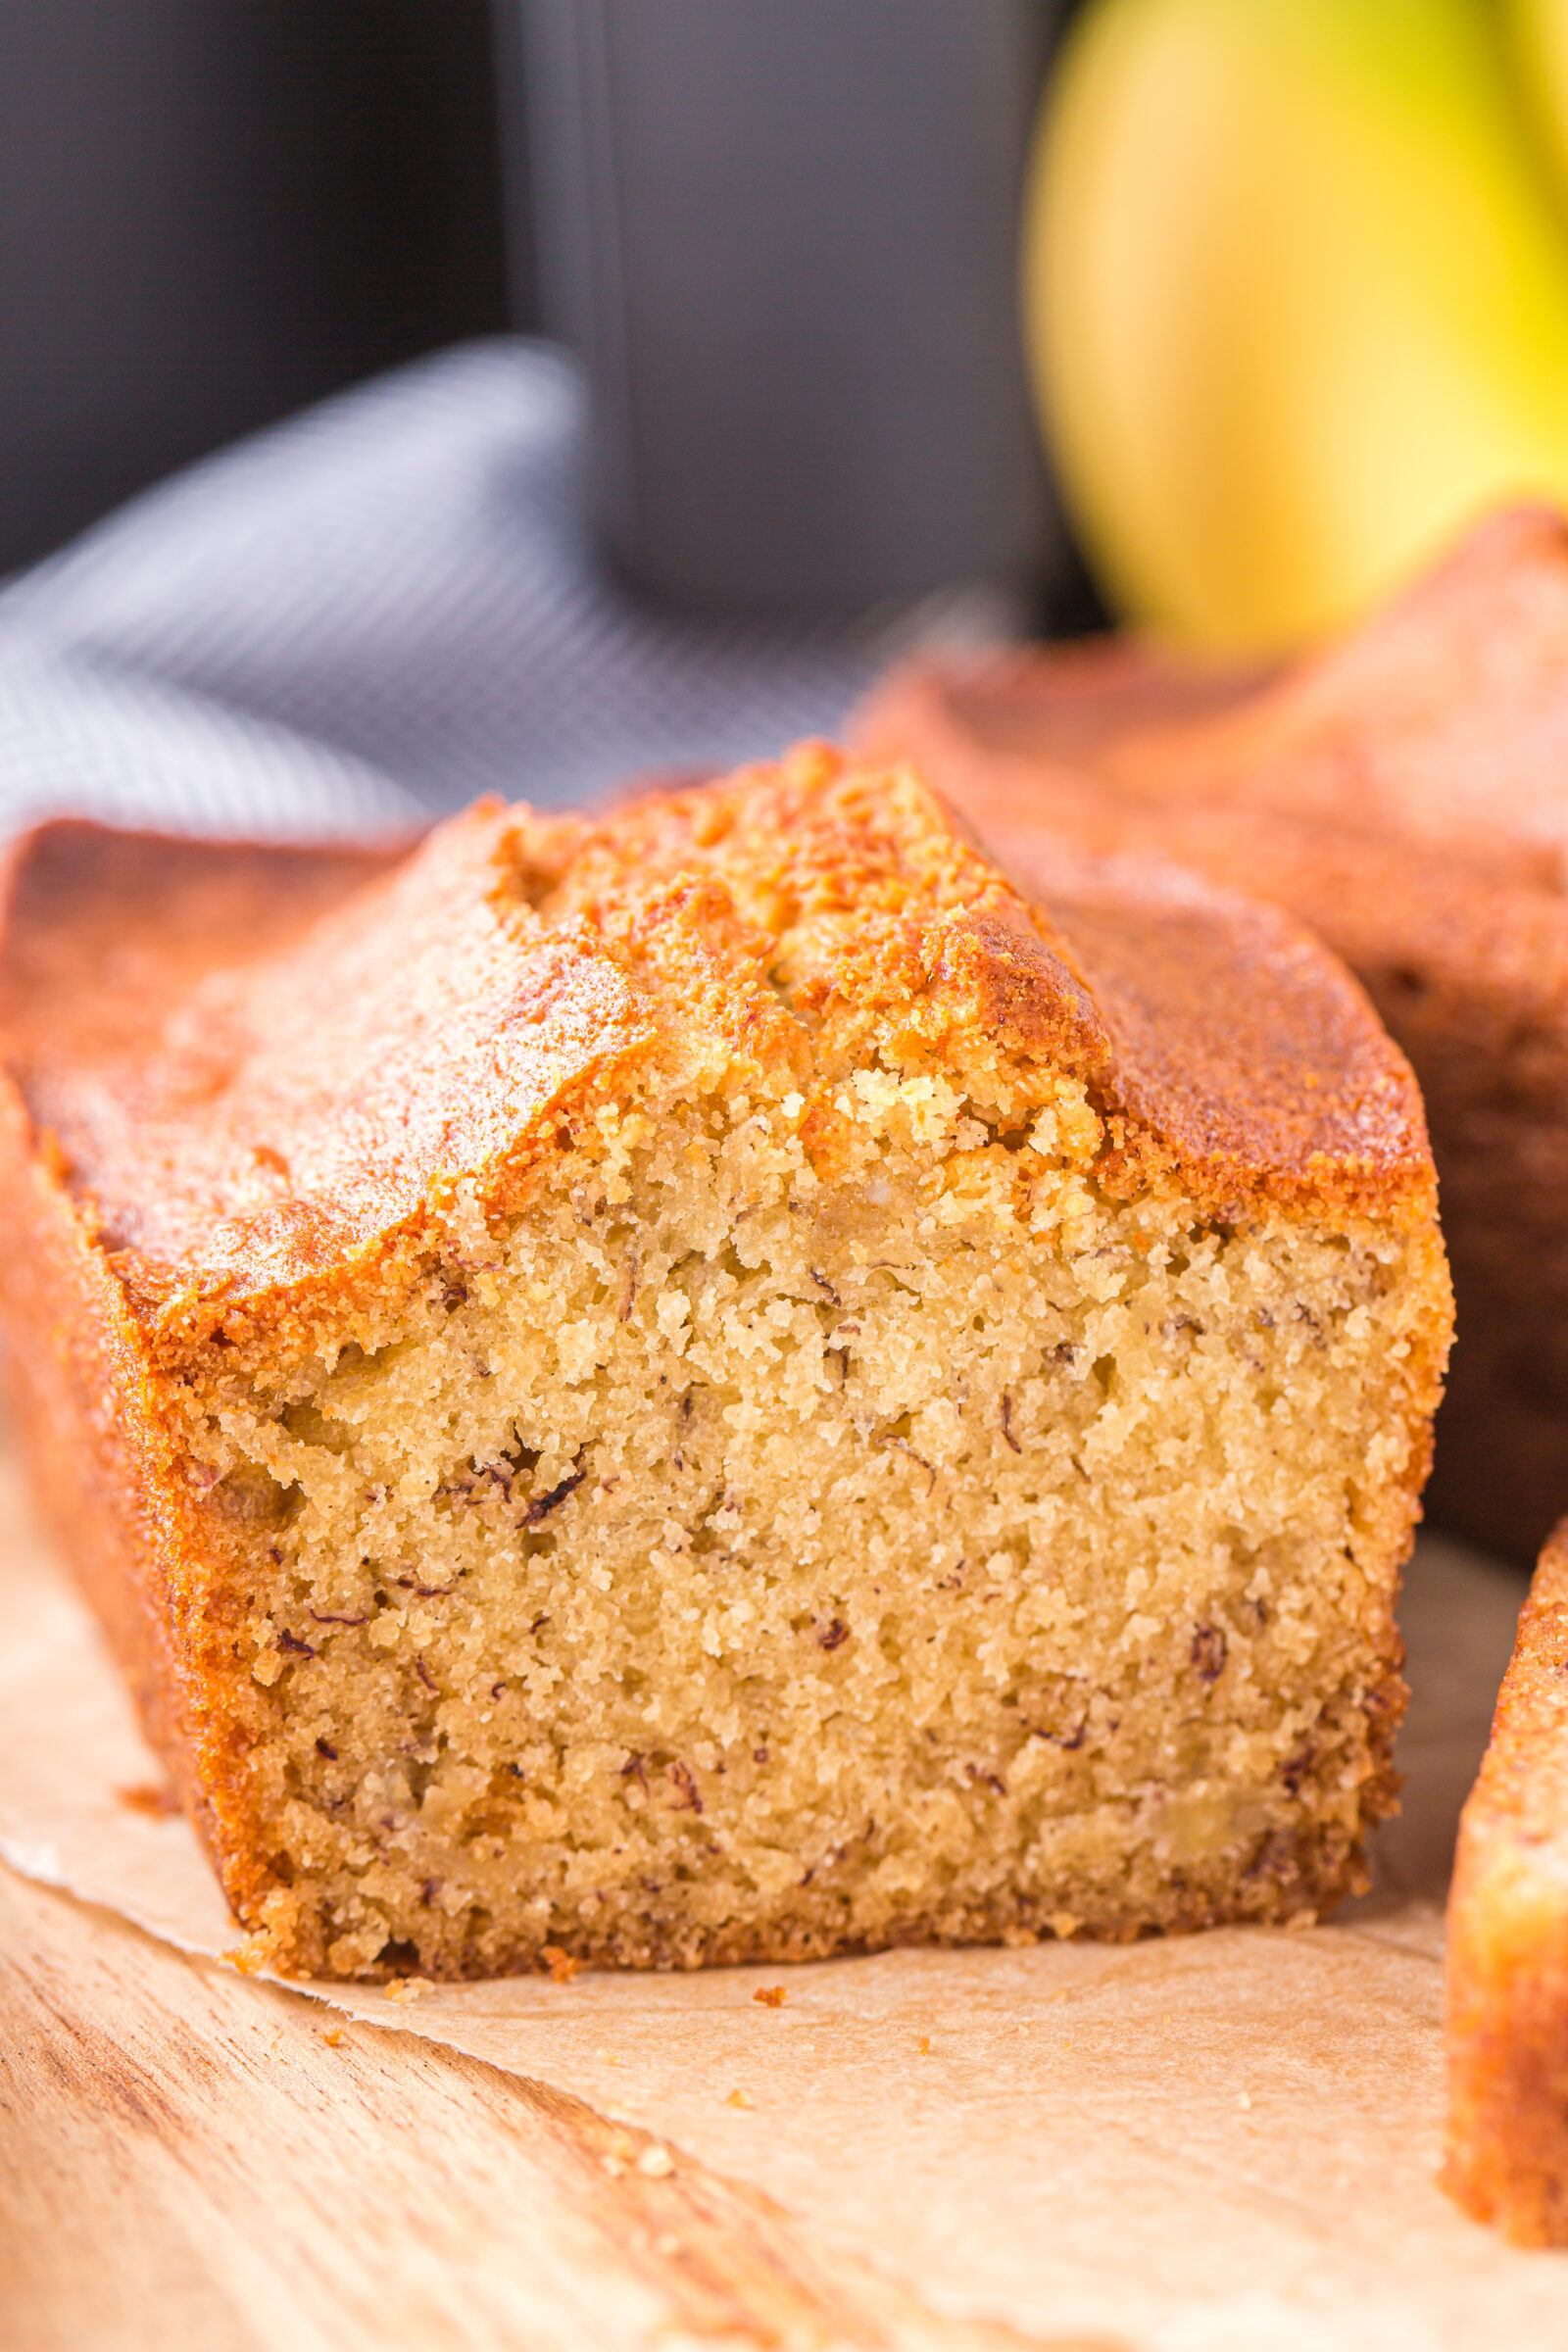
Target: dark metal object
{"type": "Point", "coordinates": [213, 211]}
{"type": "Point", "coordinates": [782, 234]}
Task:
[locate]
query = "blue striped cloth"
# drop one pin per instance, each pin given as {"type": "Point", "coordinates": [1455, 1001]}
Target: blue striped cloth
{"type": "Point", "coordinates": [385, 606]}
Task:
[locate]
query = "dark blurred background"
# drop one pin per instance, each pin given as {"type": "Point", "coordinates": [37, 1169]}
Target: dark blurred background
{"type": "Point", "coordinates": [214, 211]}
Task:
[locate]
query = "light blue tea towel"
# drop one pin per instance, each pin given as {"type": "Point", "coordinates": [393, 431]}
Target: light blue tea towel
{"type": "Point", "coordinates": [385, 606]}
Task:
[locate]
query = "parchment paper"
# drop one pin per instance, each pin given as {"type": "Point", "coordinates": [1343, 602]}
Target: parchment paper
{"type": "Point", "coordinates": [1216, 2143]}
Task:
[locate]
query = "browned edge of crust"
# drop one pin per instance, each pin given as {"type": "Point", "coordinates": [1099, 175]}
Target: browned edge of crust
{"type": "Point", "coordinates": [1507, 1943]}
{"type": "Point", "coordinates": [80, 1388]}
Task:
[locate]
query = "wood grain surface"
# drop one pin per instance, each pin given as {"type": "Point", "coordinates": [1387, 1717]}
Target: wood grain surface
{"type": "Point", "coordinates": [189, 2159]}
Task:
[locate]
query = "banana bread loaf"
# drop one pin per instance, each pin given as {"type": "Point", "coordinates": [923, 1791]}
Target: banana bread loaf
{"type": "Point", "coordinates": [1406, 793]}
{"type": "Point", "coordinates": [715, 1384]}
{"type": "Point", "coordinates": [1507, 1974]}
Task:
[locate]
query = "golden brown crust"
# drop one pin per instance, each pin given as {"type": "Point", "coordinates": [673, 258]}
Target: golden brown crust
{"type": "Point", "coordinates": [1395, 732]}
{"type": "Point", "coordinates": [236, 1113]}
{"type": "Point", "coordinates": [1250, 1053]}
{"type": "Point", "coordinates": [100, 928]}
{"type": "Point", "coordinates": [1401, 728]}
{"type": "Point", "coordinates": [252, 1119]}
{"type": "Point", "coordinates": [1507, 1974]}
{"type": "Point", "coordinates": [1402, 794]}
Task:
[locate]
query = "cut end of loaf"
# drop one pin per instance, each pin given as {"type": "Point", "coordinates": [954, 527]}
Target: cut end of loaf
{"type": "Point", "coordinates": [721, 1563]}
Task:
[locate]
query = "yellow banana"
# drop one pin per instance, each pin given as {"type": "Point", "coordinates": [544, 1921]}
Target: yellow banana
{"type": "Point", "coordinates": [1295, 291]}
{"type": "Point", "coordinates": [1534, 36]}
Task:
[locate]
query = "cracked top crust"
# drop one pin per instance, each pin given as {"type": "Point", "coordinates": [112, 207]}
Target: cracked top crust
{"type": "Point", "coordinates": [262, 1073]}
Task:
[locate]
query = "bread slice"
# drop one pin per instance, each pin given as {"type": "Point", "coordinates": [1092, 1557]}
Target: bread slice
{"type": "Point", "coordinates": [1507, 1977]}
{"type": "Point", "coordinates": [1406, 793]}
{"type": "Point", "coordinates": [715, 1384]}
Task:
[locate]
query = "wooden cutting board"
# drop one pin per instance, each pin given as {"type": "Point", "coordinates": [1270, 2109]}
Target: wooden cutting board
{"type": "Point", "coordinates": [193, 2163]}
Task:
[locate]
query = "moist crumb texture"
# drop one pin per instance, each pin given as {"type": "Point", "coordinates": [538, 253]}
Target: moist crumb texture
{"type": "Point", "coordinates": [846, 1460]}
